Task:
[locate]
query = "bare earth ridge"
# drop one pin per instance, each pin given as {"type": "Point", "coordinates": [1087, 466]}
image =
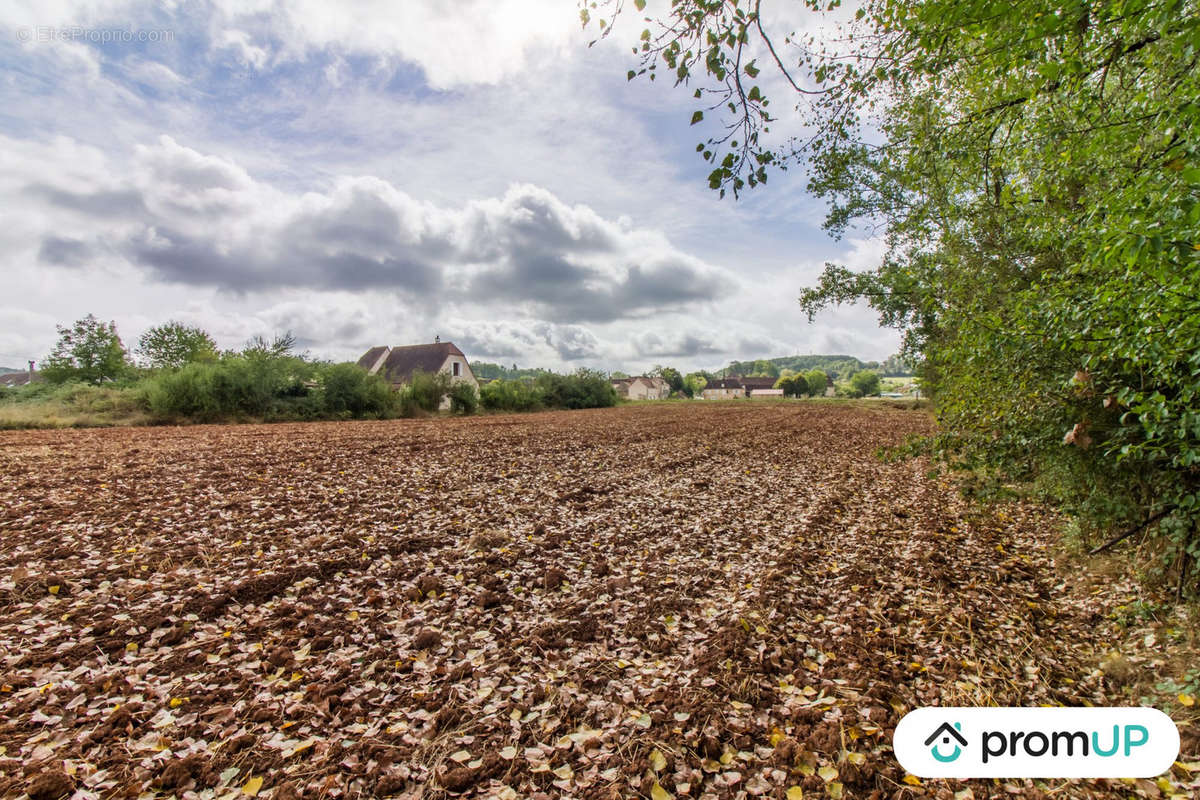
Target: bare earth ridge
{"type": "Point", "coordinates": [690, 600]}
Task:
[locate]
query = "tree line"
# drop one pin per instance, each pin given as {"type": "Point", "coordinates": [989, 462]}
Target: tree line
{"type": "Point", "coordinates": [1034, 170]}
{"type": "Point", "coordinates": [177, 373]}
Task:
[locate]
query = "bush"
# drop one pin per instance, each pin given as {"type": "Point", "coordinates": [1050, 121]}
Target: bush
{"type": "Point", "coordinates": [464, 398]}
{"type": "Point", "coordinates": [864, 384]}
{"type": "Point", "coordinates": [583, 389]}
{"type": "Point", "coordinates": [424, 393]}
{"type": "Point", "coordinates": [262, 386]}
{"type": "Point", "coordinates": [501, 395]}
{"type": "Point", "coordinates": [348, 391]}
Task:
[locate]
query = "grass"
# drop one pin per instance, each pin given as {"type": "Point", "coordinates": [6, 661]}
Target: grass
{"type": "Point", "coordinates": [72, 406]}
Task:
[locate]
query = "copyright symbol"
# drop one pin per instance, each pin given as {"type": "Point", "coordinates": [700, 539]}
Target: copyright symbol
{"type": "Point", "coordinates": [24, 34]}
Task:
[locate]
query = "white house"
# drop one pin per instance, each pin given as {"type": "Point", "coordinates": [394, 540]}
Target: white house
{"type": "Point", "coordinates": [397, 364]}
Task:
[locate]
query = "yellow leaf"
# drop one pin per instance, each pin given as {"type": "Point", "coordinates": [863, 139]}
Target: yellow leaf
{"type": "Point", "coordinates": [54, 589]}
{"type": "Point", "coordinates": [835, 790]}
{"type": "Point", "coordinates": [353, 615]}
{"type": "Point", "coordinates": [657, 792]}
{"type": "Point", "coordinates": [1187, 700]}
{"type": "Point", "coordinates": [658, 761]}
{"type": "Point", "coordinates": [131, 647]}
{"type": "Point", "coordinates": [828, 773]}
{"type": "Point", "coordinates": [795, 793]}
{"type": "Point", "coordinates": [858, 759]}
{"type": "Point", "coordinates": [252, 786]}
{"type": "Point", "coordinates": [176, 702]}
{"type": "Point", "coordinates": [912, 780]}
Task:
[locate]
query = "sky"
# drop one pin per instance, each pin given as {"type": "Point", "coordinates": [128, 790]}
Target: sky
{"type": "Point", "coordinates": [386, 172]}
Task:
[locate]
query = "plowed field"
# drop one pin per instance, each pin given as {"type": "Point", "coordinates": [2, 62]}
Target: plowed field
{"type": "Point", "coordinates": [694, 600]}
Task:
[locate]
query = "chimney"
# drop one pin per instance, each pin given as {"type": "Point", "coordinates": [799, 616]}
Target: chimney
{"type": "Point", "coordinates": [31, 363]}
{"type": "Point", "coordinates": [437, 339]}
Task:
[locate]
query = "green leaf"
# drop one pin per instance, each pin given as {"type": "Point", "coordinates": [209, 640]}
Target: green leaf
{"type": "Point", "coordinates": [697, 116]}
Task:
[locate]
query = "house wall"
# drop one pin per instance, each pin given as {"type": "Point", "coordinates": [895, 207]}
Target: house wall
{"type": "Point", "coordinates": [464, 375]}
{"type": "Point", "coordinates": [766, 392]}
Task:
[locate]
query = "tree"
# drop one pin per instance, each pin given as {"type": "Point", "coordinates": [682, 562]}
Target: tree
{"type": "Point", "coordinates": [89, 350]}
{"type": "Point", "coordinates": [173, 344]}
{"type": "Point", "coordinates": [671, 376]}
{"type": "Point", "coordinates": [279, 346]}
{"type": "Point", "coordinates": [694, 383]}
{"type": "Point", "coordinates": [792, 385]}
{"type": "Point", "coordinates": [1034, 170]}
{"type": "Point", "coordinates": [865, 383]}
{"type": "Point", "coordinates": [816, 382]}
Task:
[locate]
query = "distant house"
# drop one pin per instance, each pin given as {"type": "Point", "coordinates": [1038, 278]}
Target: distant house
{"type": "Point", "coordinates": [21, 378]}
{"type": "Point", "coordinates": [397, 364]}
{"type": "Point", "coordinates": [642, 387]}
{"type": "Point", "coordinates": [723, 389]}
{"type": "Point", "coordinates": [761, 387]}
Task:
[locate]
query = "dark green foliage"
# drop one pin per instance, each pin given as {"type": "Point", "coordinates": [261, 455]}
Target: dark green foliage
{"type": "Point", "coordinates": [1035, 169]}
{"type": "Point", "coordinates": [424, 393]}
{"type": "Point", "coordinates": [349, 391]}
{"type": "Point", "coordinates": [864, 384]}
{"type": "Point", "coordinates": [255, 386]}
{"type": "Point", "coordinates": [838, 366]}
{"type": "Point", "coordinates": [582, 389]}
{"type": "Point", "coordinates": [464, 398]}
{"type": "Point", "coordinates": [672, 376]}
{"type": "Point", "coordinates": [792, 386]}
{"type": "Point", "coordinates": [88, 351]}
{"type": "Point", "coordinates": [501, 395]}
{"type": "Point", "coordinates": [484, 371]}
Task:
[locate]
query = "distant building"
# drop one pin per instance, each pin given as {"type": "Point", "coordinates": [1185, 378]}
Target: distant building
{"type": "Point", "coordinates": [26, 376]}
{"type": "Point", "coordinates": [723, 389]}
{"type": "Point", "coordinates": [642, 387]}
{"type": "Point", "coordinates": [761, 387]}
{"type": "Point", "coordinates": [397, 364]}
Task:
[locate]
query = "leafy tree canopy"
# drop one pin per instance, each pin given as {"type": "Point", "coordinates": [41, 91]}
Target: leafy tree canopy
{"type": "Point", "coordinates": [173, 344]}
{"type": "Point", "coordinates": [89, 350]}
{"type": "Point", "coordinates": [1034, 169]}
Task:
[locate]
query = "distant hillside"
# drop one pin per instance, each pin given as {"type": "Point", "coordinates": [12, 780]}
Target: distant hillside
{"type": "Point", "coordinates": [840, 366]}
{"type": "Point", "coordinates": [12, 369]}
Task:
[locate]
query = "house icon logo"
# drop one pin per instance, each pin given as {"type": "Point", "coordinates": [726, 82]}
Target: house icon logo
{"type": "Point", "coordinates": [945, 732]}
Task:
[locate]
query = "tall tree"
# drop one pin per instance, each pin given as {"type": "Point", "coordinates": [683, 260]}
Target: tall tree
{"type": "Point", "coordinates": [173, 344]}
{"type": "Point", "coordinates": [89, 350]}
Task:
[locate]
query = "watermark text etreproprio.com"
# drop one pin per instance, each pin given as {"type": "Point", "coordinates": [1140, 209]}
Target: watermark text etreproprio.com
{"type": "Point", "coordinates": [79, 33]}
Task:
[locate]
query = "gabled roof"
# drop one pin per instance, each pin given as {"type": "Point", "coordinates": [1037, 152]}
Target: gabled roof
{"type": "Point", "coordinates": [372, 357]}
{"type": "Point", "coordinates": [724, 383]}
{"type": "Point", "coordinates": [758, 383]}
{"type": "Point", "coordinates": [12, 379]}
{"type": "Point", "coordinates": [401, 362]}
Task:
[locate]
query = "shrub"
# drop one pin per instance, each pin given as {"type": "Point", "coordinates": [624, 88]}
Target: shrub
{"type": "Point", "coordinates": [865, 383]}
{"type": "Point", "coordinates": [583, 389]}
{"type": "Point", "coordinates": [501, 395]}
{"type": "Point", "coordinates": [464, 398]}
{"type": "Point", "coordinates": [257, 385]}
{"type": "Point", "coordinates": [424, 393]}
{"type": "Point", "coordinates": [348, 391]}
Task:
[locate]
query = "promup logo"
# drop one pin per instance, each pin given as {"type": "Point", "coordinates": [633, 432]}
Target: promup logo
{"type": "Point", "coordinates": [946, 732]}
{"type": "Point", "coordinates": [1036, 742]}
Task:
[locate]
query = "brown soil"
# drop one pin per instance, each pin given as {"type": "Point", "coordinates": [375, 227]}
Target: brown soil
{"type": "Point", "coordinates": [731, 597]}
